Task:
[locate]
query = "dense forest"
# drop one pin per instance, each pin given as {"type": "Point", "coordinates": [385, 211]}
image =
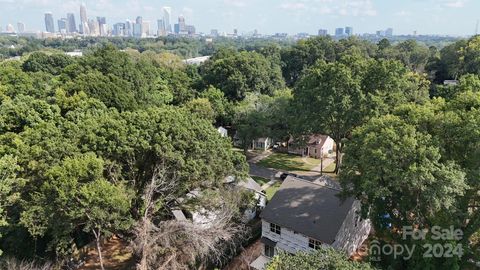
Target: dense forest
{"type": "Point", "coordinates": [101, 145]}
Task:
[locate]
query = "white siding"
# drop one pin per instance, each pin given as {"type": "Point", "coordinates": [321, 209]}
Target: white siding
{"type": "Point", "coordinates": [351, 237]}
{"type": "Point", "coordinates": [328, 145]}
{"type": "Point", "coordinates": [288, 240]}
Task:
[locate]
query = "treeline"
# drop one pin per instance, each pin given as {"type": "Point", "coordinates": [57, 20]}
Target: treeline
{"type": "Point", "coordinates": [103, 144]}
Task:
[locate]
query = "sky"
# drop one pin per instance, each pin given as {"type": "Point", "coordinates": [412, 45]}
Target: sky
{"type": "Point", "coordinates": [442, 17]}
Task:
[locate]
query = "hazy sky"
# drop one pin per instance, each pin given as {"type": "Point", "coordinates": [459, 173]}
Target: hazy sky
{"type": "Point", "coordinates": [451, 17]}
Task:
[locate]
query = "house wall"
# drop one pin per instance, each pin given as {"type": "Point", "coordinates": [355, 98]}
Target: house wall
{"type": "Point", "coordinates": [288, 240]}
{"type": "Point", "coordinates": [351, 237]}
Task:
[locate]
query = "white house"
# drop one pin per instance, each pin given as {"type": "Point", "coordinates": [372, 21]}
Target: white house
{"type": "Point", "coordinates": [315, 146]}
{"type": "Point", "coordinates": [257, 144]}
{"type": "Point", "coordinates": [252, 186]}
{"type": "Point", "coordinates": [223, 131]}
{"type": "Point", "coordinates": [262, 144]}
{"type": "Point", "coordinates": [304, 216]}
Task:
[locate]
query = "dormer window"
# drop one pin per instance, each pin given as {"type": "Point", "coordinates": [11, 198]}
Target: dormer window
{"type": "Point", "coordinates": [314, 244]}
{"type": "Point", "coordinates": [275, 228]}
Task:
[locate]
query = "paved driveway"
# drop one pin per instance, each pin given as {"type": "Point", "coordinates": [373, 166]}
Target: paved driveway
{"type": "Point", "coordinates": [263, 172]}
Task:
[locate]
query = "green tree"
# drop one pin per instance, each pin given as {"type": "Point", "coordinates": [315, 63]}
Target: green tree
{"type": "Point", "coordinates": [241, 72]}
{"type": "Point", "coordinates": [329, 100]}
{"type": "Point", "coordinates": [325, 258]}
{"type": "Point", "coordinates": [10, 186]}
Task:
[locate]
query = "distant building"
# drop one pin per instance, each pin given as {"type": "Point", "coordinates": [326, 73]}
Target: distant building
{"type": "Point", "coordinates": [10, 29]}
{"type": "Point", "coordinates": [20, 27]}
{"type": "Point", "coordinates": [389, 32]}
{"type": "Point", "coordinates": [323, 32]}
{"type": "Point", "coordinates": [102, 26]}
{"type": "Point", "coordinates": [62, 25]}
{"type": "Point", "coordinates": [381, 33]}
{"type": "Point", "coordinates": [181, 24]}
{"type": "Point", "coordinates": [145, 29]}
{"type": "Point", "coordinates": [93, 28]}
{"type": "Point", "coordinates": [339, 32]}
{"type": "Point", "coordinates": [129, 28]}
{"type": "Point", "coordinates": [349, 31]}
{"type": "Point", "coordinates": [49, 25]}
{"type": "Point", "coordinates": [214, 32]}
{"type": "Point", "coordinates": [235, 32]}
{"type": "Point", "coordinates": [162, 30]}
{"type": "Point", "coordinates": [71, 25]}
{"type": "Point", "coordinates": [167, 16]}
{"type": "Point", "coordinates": [119, 29]}
{"type": "Point", "coordinates": [84, 28]}
{"type": "Point", "coordinates": [138, 27]}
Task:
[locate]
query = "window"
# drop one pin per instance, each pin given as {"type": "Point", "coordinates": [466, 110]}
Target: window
{"type": "Point", "coordinates": [269, 251]}
{"type": "Point", "coordinates": [315, 150]}
{"type": "Point", "coordinates": [275, 228]}
{"type": "Point", "coordinates": [315, 244]}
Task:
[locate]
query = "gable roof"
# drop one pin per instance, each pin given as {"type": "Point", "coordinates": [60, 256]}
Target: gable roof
{"type": "Point", "coordinates": [312, 140]}
{"type": "Point", "coordinates": [308, 208]}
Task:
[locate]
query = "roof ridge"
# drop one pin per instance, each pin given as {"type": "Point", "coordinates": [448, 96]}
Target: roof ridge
{"type": "Point", "coordinates": [310, 182]}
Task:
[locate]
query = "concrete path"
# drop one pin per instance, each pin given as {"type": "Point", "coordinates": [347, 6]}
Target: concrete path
{"type": "Point", "coordinates": [269, 184]}
{"type": "Point", "coordinates": [260, 156]}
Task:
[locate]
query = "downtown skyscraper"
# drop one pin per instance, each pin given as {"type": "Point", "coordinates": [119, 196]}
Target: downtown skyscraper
{"type": "Point", "coordinates": [84, 29]}
{"type": "Point", "coordinates": [71, 25]}
{"type": "Point", "coordinates": [49, 24]}
{"type": "Point", "coordinates": [167, 18]}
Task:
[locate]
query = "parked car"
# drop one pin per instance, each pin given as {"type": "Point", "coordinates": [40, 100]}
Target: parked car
{"type": "Point", "coordinates": [283, 176]}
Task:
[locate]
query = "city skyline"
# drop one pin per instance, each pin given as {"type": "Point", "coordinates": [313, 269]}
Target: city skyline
{"type": "Point", "coordinates": [365, 16]}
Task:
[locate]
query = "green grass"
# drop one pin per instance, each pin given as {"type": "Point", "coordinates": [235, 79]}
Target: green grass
{"type": "Point", "coordinates": [288, 162]}
{"type": "Point", "coordinates": [330, 168]}
{"type": "Point", "coordinates": [272, 190]}
{"type": "Point", "coordinates": [260, 180]}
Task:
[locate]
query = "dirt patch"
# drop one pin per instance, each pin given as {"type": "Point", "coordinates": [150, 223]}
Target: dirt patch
{"type": "Point", "coordinates": [248, 255]}
{"type": "Point", "coordinates": [117, 255]}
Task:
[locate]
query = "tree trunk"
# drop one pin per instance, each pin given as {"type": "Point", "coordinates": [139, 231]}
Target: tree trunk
{"type": "Point", "coordinates": [99, 248]}
{"type": "Point", "coordinates": [143, 260]}
{"type": "Point", "coordinates": [337, 157]}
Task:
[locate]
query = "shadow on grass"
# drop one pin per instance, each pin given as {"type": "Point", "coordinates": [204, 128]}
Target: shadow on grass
{"type": "Point", "coordinates": [284, 162]}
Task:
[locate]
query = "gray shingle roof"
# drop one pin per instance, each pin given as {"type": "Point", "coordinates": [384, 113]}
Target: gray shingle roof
{"type": "Point", "coordinates": [308, 208]}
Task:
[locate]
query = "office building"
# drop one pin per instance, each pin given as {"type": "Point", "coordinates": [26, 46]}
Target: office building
{"type": "Point", "coordinates": [20, 27]}
{"type": "Point", "coordinates": [161, 30]}
{"type": "Point", "coordinates": [145, 29]}
{"type": "Point", "coordinates": [389, 32]}
{"type": "Point", "coordinates": [190, 29]}
{"type": "Point", "coordinates": [93, 28]}
{"type": "Point", "coordinates": [10, 29]}
{"type": "Point", "coordinates": [62, 25]}
{"type": "Point", "coordinates": [381, 33]}
{"type": "Point", "coordinates": [49, 24]}
{"type": "Point", "coordinates": [102, 26]}
{"type": "Point", "coordinates": [339, 32]}
{"type": "Point", "coordinates": [323, 32]}
{"type": "Point", "coordinates": [119, 29]}
{"type": "Point", "coordinates": [71, 25]}
{"type": "Point", "coordinates": [349, 31]}
{"type": "Point", "coordinates": [235, 32]}
{"type": "Point", "coordinates": [214, 32]}
{"type": "Point", "coordinates": [181, 24]}
{"type": "Point", "coordinates": [176, 28]}
{"type": "Point", "coordinates": [167, 15]}
{"type": "Point", "coordinates": [128, 28]}
{"type": "Point", "coordinates": [84, 28]}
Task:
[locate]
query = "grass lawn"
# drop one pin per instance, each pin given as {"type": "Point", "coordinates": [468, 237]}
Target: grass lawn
{"type": "Point", "coordinates": [288, 162]}
{"type": "Point", "coordinates": [272, 190]}
{"type": "Point", "coordinates": [260, 180]}
{"type": "Point", "coordinates": [330, 168]}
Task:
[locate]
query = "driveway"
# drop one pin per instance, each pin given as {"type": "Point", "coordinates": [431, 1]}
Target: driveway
{"type": "Point", "coordinates": [263, 172]}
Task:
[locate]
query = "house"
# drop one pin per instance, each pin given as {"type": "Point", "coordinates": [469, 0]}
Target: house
{"type": "Point", "coordinates": [450, 82]}
{"type": "Point", "coordinates": [258, 194]}
{"type": "Point", "coordinates": [223, 131]}
{"type": "Point", "coordinates": [258, 144]}
{"type": "Point", "coordinates": [304, 216]}
{"type": "Point", "coordinates": [262, 144]}
{"type": "Point", "coordinates": [315, 146]}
